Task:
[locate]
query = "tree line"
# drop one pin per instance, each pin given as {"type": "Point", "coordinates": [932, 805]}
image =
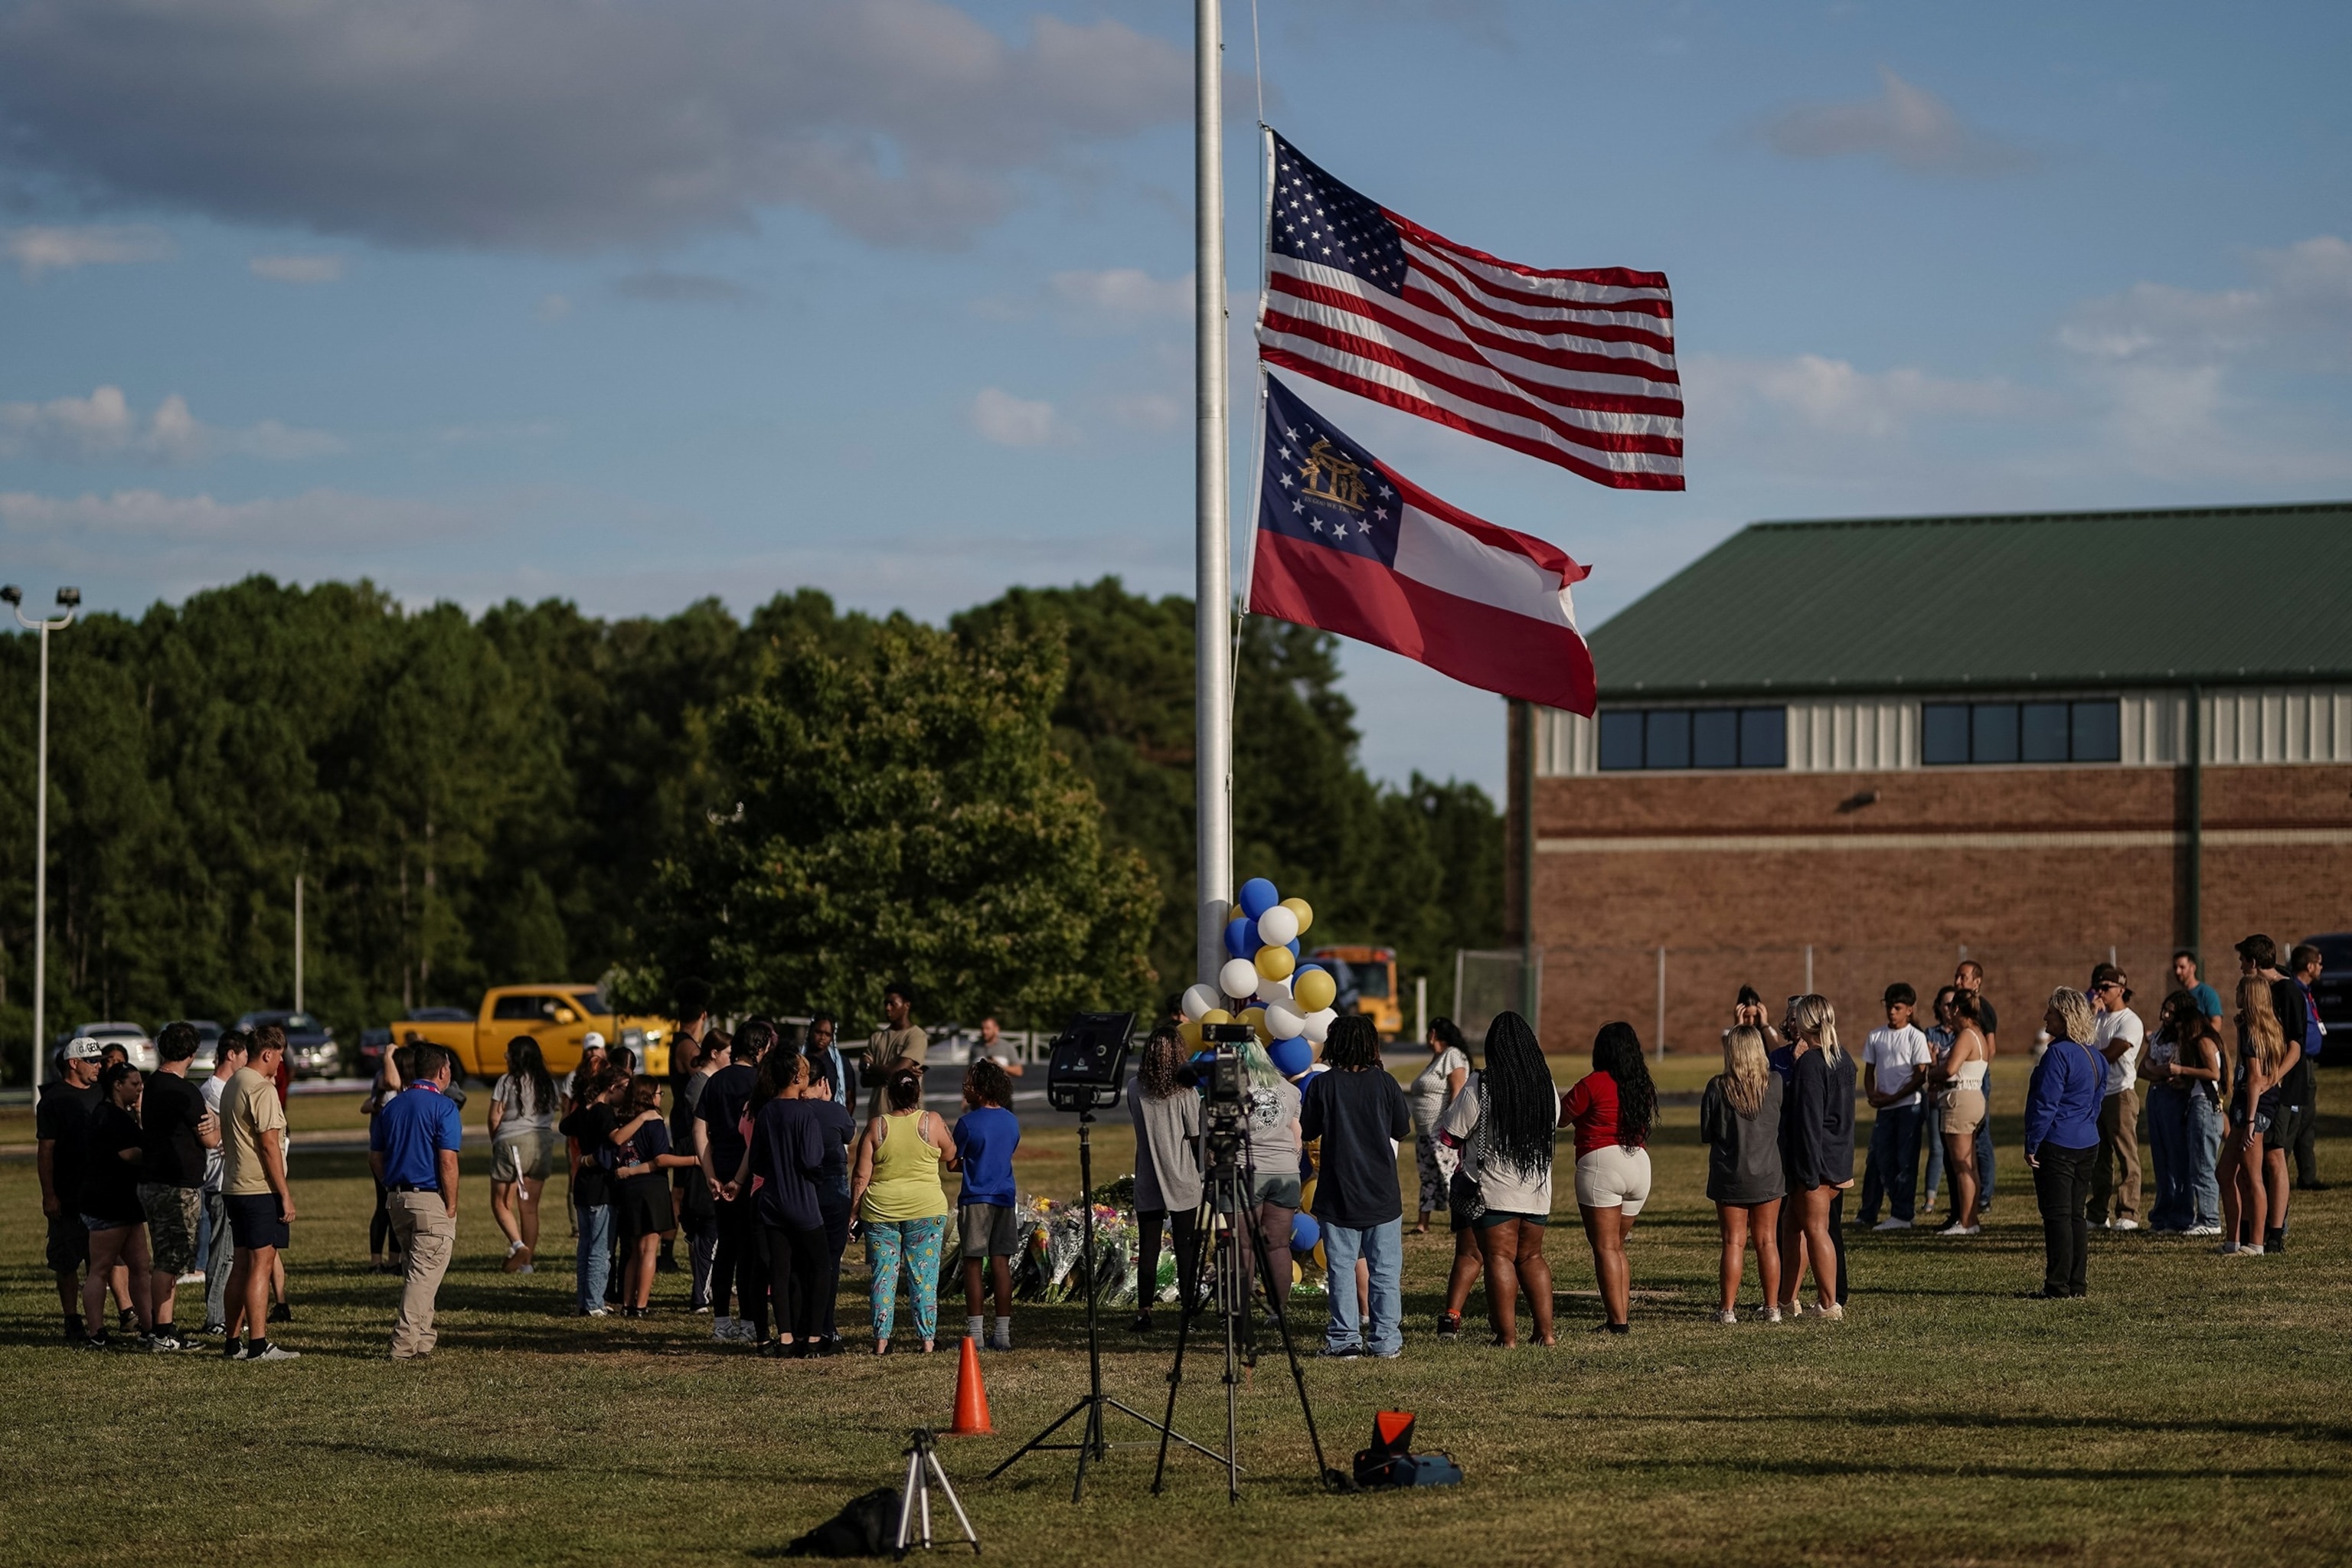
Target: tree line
{"type": "Point", "coordinates": [797, 806]}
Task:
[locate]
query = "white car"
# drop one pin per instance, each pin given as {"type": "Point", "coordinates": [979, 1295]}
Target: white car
{"type": "Point", "coordinates": [129, 1036]}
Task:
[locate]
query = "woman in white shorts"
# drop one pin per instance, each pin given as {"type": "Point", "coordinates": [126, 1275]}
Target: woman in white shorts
{"type": "Point", "coordinates": [1611, 1109]}
{"type": "Point", "coordinates": [523, 1112]}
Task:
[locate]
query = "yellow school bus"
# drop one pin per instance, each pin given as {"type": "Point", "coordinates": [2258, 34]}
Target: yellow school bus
{"type": "Point", "coordinates": [1368, 985]}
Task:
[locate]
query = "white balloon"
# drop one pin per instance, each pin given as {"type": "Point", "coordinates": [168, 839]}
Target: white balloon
{"type": "Point", "coordinates": [1283, 1021]}
{"type": "Point", "coordinates": [1319, 1024]}
{"type": "Point", "coordinates": [1278, 927]}
{"type": "Point", "coordinates": [1239, 977]}
{"type": "Point", "coordinates": [1273, 991]}
{"type": "Point", "coordinates": [1200, 999]}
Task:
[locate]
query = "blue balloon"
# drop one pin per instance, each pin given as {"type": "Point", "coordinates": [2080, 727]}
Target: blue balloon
{"type": "Point", "coordinates": [1303, 965]}
{"type": "Point", "coordinates": [1304, 1233]}
{"type": "Point", "coordinates": [1294, 952]}
{"type": "Point", "coordinates": [1240, 937]}
{"type": "Point", "coordinates": [1258, 897]}
{"type": "Point", "coordinates": [1291, 1057]}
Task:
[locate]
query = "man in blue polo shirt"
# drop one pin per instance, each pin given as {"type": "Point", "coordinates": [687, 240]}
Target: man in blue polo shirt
{"type": "Point", "coordinates": [412, 1148]}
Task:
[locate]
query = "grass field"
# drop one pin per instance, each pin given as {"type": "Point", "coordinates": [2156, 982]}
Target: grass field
{"type": "Point", "coordinates": [2193, 1410]}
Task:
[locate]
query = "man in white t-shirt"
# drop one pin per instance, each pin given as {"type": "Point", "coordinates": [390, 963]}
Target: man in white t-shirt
{"type": "Point", "coordinates": [2115, 1175]}
{"type": "Point", "coordinates": [1894, 1070]}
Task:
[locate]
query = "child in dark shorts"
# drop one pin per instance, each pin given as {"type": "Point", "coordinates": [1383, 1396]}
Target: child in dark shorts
{"type": "Point", "coordinates": [985, 1138]}
{"type": "Point", "coordinates": [640, 1160]}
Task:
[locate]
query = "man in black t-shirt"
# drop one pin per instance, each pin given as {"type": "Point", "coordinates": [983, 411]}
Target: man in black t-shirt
{"type": "Point", "coordinates": [61, 1126]}
{"type": "Point", "coordinates": [719, 1146]}
{"type": "Point", "coordinates": [175, 1132]}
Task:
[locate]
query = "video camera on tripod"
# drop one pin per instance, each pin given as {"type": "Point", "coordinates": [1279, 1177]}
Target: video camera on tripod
{"type": "Point", "coordinates": [1224, 1116]}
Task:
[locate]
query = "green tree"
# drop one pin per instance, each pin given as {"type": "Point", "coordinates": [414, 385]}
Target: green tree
{"type": "Point", "coordinates": [903, 813]}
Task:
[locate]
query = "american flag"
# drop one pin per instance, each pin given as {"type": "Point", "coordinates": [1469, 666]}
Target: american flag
{"type": "Point", "coordinates": [1574, 367]}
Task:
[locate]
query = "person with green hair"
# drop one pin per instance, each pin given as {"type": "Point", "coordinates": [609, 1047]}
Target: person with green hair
{"type": "Point", "coordinates": [1270, 1154]}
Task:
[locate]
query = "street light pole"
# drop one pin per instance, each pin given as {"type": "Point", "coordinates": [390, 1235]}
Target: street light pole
{"type": "Point", "coordinates": [70, 598]}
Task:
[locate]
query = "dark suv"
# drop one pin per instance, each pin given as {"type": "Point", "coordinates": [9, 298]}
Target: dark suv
{"type": "Point", "coordinates": [2333, 991]}
{"type": "Point", "coordinates": [310, 1048]}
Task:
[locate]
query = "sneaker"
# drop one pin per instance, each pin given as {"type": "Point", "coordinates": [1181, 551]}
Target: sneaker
{"type": "Point", "coordinates": [1342, 1352]}
{"type": "Point", "coordinates": [1957, 1228]}
{"type": "Point", "coordinates": [213, 1331]}
{"type": "Point", "coordinates": [1892, 1225]}
{"type": "Point", "coordinates": [2227, 1249]}
{"type": "Point", "coordinates": [165, 1341]}
{"type": "Point", "coordinates": [598, 1311]}
{"type": "Point", "coordinates": [97, 1341]}
{"type": "Point", "coordinates": [1769, 1314]}
{"type": "Point", "coordinates": [127, 1322]}
{"type": "Point", "coordinates": [2249, 1249]}
{"type": "Point", "coordinates": [1727, 1317]}
{"type": "Point", "coordinates": [2202, 1230]}
{"type": "Point", "coordinates": [1449, 1325]}
{"type": "Point", "coordinates": [274, 1352]}
{"type": "Point", "coordinates": [1832, 1313]}
{"type": "Point", "coordinates": [528, 1269]}
{"type": "Point", "coordinates": [999, 1342]}
{"type": "Point", "coordinates": [518, 1258]}
{"type": "Point", "coordinates": [2122, 1224]}
{"type": "Point", "coordinates": [233, 1350]}
{"type": "Point", "coordinates": [2274, 1241]}
{"type": "Point", "coordinates": [195, 1278]}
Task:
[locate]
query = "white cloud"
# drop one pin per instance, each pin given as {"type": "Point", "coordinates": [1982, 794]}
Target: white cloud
{"type": "Point", "coordinates": [314, 517]}
{"type": "Point", "coordinates": [1011, 421]}
{"type": "Point", "coordinates": [297, 268]}
{"type": "Point", "coordinates": [663, 287]}
{"type": "Point", "coordinates": [103, 426]}
{"type": "Point", "coordinates": [1909, 126]}
{"type": "Point", "coordinates": [55, 248]}
{"type": "Point", "coordinates": [1830, 396]}
{"type": "Point", "coordinates": [2297, 315]}
{"type": "Point", "coordinates": [1128, 292]}
{"type": "Point", "coordinates": [569, 125]}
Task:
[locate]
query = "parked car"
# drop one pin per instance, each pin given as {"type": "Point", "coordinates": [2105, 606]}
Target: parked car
{"type": "Point", "coordinates": [207, 1055]}
{"type": "Point", "coordinates": [2332, 992]}
{"type": "Point", "coordinates": [311, 1047]}
{"type": "Point", "coordinates": [134, 1040]}
{"type": "Point", "coordinates": [372, 1044]}
{"type": "Point", "coordinates": [559, 1016]}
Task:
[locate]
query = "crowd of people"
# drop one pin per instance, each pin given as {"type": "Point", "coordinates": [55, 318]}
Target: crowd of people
{"type": "Point", "coordinates": [769, 1164]}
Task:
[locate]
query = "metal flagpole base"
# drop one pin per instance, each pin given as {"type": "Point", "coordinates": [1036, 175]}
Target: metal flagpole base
{"type": "Point", "coordinates": [915, 1503]}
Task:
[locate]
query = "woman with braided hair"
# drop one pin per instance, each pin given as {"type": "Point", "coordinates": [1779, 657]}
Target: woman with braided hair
{"type": "Point", "coordinates": [1611, 1109]}
{"type": "Point", "coordinates": [1502, 1123]}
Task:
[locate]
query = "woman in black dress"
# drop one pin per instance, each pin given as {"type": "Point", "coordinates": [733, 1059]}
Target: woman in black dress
{"type": "Point", "coordinates": [1816, 1148]}
{"type": "Point", "coordinates": [109, 1204]}
{"type": "Point", "coordinates": [641, 1158]}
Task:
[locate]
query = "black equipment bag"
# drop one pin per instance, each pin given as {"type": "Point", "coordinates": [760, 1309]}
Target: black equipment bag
{"type": "Point", "coordinates": [1390, 1462]}
{"type": "Point", "coordinates": [868, 1527]}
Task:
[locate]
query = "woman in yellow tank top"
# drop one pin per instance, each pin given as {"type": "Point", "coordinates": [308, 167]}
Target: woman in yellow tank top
{"type": "Point", "coordinates": [897, 1192]}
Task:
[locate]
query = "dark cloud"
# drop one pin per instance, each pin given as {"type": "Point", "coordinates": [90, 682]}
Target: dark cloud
{"type": "Point", "coordinates": [565, 124]}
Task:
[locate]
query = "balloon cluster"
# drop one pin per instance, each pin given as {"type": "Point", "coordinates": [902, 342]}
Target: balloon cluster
{"type": "Point", "coordinates": [1265, 985]}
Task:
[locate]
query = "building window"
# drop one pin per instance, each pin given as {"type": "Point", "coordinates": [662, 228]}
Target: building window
{"type": "Point", "coordinates": [1667, 738]}
{"type": "Point", "coordinates": [1956, 732]}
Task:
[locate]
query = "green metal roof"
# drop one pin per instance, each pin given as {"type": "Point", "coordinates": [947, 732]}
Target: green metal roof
{"type": "Point", "coordinates": [2215, 594]}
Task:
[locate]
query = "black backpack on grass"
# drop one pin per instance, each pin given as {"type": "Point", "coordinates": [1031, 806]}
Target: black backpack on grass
{"type": "Point", "coordinates": [868, 1527]}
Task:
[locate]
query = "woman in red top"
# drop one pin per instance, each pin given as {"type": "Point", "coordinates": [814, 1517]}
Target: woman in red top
{"type": "Point", "coordinates": [1611, 1109]}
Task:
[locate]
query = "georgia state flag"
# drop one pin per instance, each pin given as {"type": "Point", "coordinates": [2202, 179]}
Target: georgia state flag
{"type": "Point", "coordinates": [1346, 545]}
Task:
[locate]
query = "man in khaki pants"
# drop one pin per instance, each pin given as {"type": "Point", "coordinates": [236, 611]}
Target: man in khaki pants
{"type": "Point", "coordinates": [412, 1148]}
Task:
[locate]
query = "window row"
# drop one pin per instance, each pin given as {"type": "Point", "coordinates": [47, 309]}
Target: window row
{"type": "Point", "coordinates": [1956, 732]}
{"type": "Point", "coordinates": [1695, 738]}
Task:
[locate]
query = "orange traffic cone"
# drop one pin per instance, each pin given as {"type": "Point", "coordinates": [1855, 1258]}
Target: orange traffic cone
{"type": "Point", "coordinates": [972, 1398]}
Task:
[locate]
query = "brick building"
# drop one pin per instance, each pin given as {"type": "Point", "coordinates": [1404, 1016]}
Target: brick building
{"type": "Point", "coordinates": [1863, 750]}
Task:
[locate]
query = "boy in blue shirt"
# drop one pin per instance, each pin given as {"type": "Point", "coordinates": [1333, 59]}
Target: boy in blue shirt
{"type": "Point", "coordinates": [985, 1137]}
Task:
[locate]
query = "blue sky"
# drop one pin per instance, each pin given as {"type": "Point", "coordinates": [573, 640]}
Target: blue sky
{"type": "Point", "coordinates": [634, 304]}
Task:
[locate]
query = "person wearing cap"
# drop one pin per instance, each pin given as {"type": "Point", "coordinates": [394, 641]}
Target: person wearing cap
{"type": "Point", "coordinates": [61, 1126]}
{"type": "Point", "coordinates": [413, 1148]}
{"type": "Point", "coordinates": [2119, 1034]}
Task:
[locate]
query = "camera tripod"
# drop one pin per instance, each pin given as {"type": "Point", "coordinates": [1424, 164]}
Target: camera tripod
{"type": "Point", "coordinates": [1091, 1445]}
{"type": "Point", "coordinates": [1226, 1226]}
{"type": "Point", "coordinates": [915, 1502]}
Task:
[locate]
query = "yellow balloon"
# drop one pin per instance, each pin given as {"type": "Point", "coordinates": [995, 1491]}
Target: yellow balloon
{"type": "Point", "coordinates": [1190, 1031]}
{"type": "Point", "coordinates": [1315, 990]}
{"type": "Point", "coordinates": [1303, 909]}
{"type": "Point", "coordinates": [1255, 1018]}
{"type": "Point", "coordinates": [1276, 963]}
{"type": "Point", "coordinates": [1216, 1015]}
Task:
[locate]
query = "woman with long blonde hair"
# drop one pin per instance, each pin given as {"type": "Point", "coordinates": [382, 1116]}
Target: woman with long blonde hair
{"type": "Point", "coordinates": [2254, 1101]}
{"type": "Point", "coordinates": [1739, 1120]}
{"type": "Point", "coordinates": [1816, 1149]}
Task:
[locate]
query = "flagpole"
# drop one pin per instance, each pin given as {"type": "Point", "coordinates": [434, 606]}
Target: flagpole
{"type": "Point", "coordinates": [1212, 591]}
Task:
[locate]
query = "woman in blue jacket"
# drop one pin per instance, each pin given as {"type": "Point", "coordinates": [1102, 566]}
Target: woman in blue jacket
{"type": "Point", "coordinates": [2062, 1139]}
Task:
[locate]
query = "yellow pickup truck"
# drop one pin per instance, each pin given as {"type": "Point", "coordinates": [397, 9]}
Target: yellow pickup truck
{"type": "Point", "coordinates": [558, 1017]}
